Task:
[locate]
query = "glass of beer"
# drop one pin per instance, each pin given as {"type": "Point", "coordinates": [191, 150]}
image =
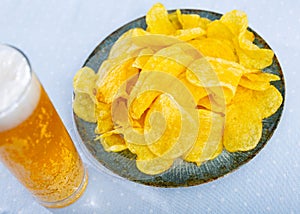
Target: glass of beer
{"type": "Point", "coordinates": [34, 144]}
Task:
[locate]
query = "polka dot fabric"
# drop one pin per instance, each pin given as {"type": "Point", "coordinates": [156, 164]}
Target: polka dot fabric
{"type": "Point", "coordinates": [58, 36]}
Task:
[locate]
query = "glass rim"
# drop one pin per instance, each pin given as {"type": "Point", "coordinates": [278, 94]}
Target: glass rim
{"type": "Point", "coordinates": [18, 99]}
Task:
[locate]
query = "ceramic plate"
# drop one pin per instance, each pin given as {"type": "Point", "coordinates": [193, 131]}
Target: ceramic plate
{"type": "Point", "coordinates": [182, 173]}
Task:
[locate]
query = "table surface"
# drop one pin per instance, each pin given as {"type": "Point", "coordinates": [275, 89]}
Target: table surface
{"type": "Point", "coordinates": [57, 36]}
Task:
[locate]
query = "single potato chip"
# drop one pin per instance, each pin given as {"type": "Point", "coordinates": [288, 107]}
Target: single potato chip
{"type": "Point", "coordinates": [189, 34]}
{"type": "Point", "coordinates": [217, 48]}
{"type": "Point", "coordinates": [219, 30]}
{"type": "Point", "coordinates": [252, 56]}
{"type": "Point", "coordinates": [168, 111]}
{"type": "Point", "coordinates": [268, 101]}
{"type": "Point", "coordinates": [109, 84]}
{"type": "Point", "coordinates": [236, 21]}
{"type": "Point", "coordinates": [258, 81]}
{"type": "Point", "coordinates": [142, 151]}
{"type": "Point", "coordinates": [158, 21]}
{"type": "Point", "coordinates": [84, 82]}
{"type": "Point", "coordinates": [112, 142]}
{"type": "Point", "coordinates": [154, 166]}
{"type": "Point", "coordinates": [142, 58]}
{"type": "Point", "coordinates": [104, 118]}
{"type": "Point", "coordinates": [242, 131]}
{"type": "Point", "coordinates": [84, 107]}
{"type": "Point", "coordinates": [209, 139]}
{"type": "Point", "coordinates": [173, 17]}
{"type": "Point", "coordinates": [84, 94]}
{"type": "Point", "coordinates": [141, 103]}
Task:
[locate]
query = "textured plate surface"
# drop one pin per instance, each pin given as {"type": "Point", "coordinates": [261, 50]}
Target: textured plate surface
{"type": "Point", "coordinates": [182, 173]}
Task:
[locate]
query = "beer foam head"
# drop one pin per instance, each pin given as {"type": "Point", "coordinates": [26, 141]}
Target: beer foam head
{"type": "Point", "coordinates": [19, 90]}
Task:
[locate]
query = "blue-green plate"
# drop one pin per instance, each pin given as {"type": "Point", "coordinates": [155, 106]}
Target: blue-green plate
{"type": "Point", "coordinates": [182, 173]}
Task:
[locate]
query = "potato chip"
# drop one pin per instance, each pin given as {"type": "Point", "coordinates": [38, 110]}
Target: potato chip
{"type": "Point", "coordinates": [126, 45]}
{"type": "Point", "coordinates": [173, 17]}
{"type": "Point", "coordinates": [158, 21]}
{"type": "Point", "coordinates": [84, 107]}
{"type": "Point", "coordinates": [104, 118]}
{"type": "Point", "coordinates": [209, 103]}
{"type": "Point", "coordinates": [254, 57]}
{"type": "Point", "coordinates": [189, 21]}
{"type": "Point", "coordinates": [214, 73]}
{"type": "Point", "coordinates": [84, 82]}
{"type": "Point", "coordinates": [217, 48]}
{"type": "Point", "coordinates": [257, 81]}
{"type": "Point", "coordinates": [109, 84]}
{"type": "Point", "coordinates": [112, 142]}
{"type": "Point", "coordinates": [219, 30]}
{"type": "Point", "coordinates": [261, 77]}
{"type": "Point", "coordinates": [209, 138]}
{"type": "Point", "coordinates": [249, 36]}
{"type": "Point", "coordinates": [141, 103]}
{"type": "Point", "coordinates": [173, 59]}
{"type": "Point", "coordinates": [254, 85]}
{"type": "Point", "coordinates": [197, 92]}
{"type": "Point", "coordinates": [142, 151]}
{"type": "Point", "coordinates": [84, 99]}
{"type": "Point", "coordinates": [142, 58]}
{"type": "Point", "coordinates": [267, 101]}
{"type": "Point", "coordinates": [236, 21]}
{"type": "Point", "coordinates": [189, 34]}
{"type": "Point", "coordinates": [154, 166]}
{"type": "Point", "coordinates": [168, 111]}
{"type": "Point", "coordinates": [218, 151]}
{"type": "Point", "coordinates": [242, 131]}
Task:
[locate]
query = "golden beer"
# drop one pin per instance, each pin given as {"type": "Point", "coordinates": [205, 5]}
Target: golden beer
{"type": "Point", "coordinates": [37, 149]}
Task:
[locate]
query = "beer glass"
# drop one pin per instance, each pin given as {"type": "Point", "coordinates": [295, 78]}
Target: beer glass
{"type": "Point", "coordinates": [34, 144]}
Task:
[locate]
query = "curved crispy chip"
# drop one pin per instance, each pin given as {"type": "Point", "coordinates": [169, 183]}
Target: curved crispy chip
{"type": "Point", "coordinates": [84, 107]}
{"type": "Point", "coordinates": [112, 142]}
{"type": "Point", "coordinates": [218, 151]}
{"type": "Point", "coordinates": [209, 103]}
{"type": "Point", "coordinates": [126, 45]}
{"type": "Point", "coordinates": [103, 116]}
{"type": "Point", "coordinates": [209, 138]}
{"type": "Point", "coordinates": [142, 58]}
{"type": "Point", "coordinates": [154, 166]}
{"type": "Point", "coordinates": [214, 73]}
{"type": "Point", "coordinates": [189, 34]}
{"type": "Point", "coordinates": [158, 21]}
{"type": "Point", "coordinates": [141, 103]}
{"type": "Point", "coordinates": [84, 89]}
{"type": "Point", "coordinates": [174, 19]}
{"type": "Point", "coordinates": [218, 48]}
{"type": "Point", "coordinates": [258, 81]}
{"type": "Point", "coordinates": [197, 92]}
{"type": "Point", "coordinates": [219, 30]}
{"type": "Point", "coordinates": [242, 131]}
{"type": "Point", "coordinates": [254, 85]}
{"type": "Point", "coordinates": [84, 82]}
{"type": "Point", "coordinates": [267, 101]}
{"type": "Point", "coordinates": [236, 21]}
{"type": "Point", "coordinates": [111, 80]}
{"type": "Point", "coordinates": [142, 151]}
{"type": "Point", "coordinates": [168, 111]}
{"type": "Point", "coordinates": [252, 56]}
{"type": "Point", "coordinates": [261, 77]}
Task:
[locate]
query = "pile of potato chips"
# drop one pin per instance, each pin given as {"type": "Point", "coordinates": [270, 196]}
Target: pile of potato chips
{"type": "Point", "coordinates": [184, 88]}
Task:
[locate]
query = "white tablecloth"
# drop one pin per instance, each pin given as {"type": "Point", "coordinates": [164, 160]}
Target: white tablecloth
{"type": "Point", "coordinates": [58, 36]}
